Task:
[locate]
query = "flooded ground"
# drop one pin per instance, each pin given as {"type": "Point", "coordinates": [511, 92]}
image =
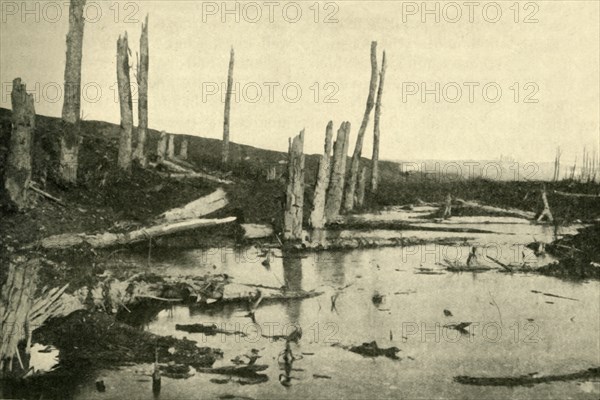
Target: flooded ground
{"type": "Point", "coordinates": [518, 326]}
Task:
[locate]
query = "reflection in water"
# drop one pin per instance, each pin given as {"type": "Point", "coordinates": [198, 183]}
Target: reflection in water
{"type": "Point", "coordinates": [292, 278]}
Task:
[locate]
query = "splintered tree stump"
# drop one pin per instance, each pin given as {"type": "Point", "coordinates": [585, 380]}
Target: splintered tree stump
{"type": "Point", "coordinates": [376, 130]}
{"type": "Point", "coordinates": [16, 300]}
{"type": "Point", "coordinates": [171, 147]}
{"type": "Point", "coordinates": [355, 165]}
{"type": "Point", "coordinates": [161, 148]}
{"type": "Point", "coordinates": [292, 229]}
{"type": "Point", "coordinates": [18, 163]}
{"type": "Point", "coordinates": [124, 87]}
{"type": "Point", "coordinates": [362, 186]}
{"type": "Point", "coordinates": [338, 173]}
{"type": "Point", "coordinates": [183, 149]}
{"type": "Point", "coordinates": [226, 121]}
{"type": "Point", "coordinates": [70, 139]}
{"type": "Point", "coordinates": [317, 216]}
{"type": "Point", "coordinates": [546, 214]}
{"type": "Point", "coordinates": [142, 79]}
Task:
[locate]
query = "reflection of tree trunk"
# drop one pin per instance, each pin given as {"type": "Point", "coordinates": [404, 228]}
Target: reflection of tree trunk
{"type": "Point", "coordinates": [142, 79]}
{"type": "Point", "coordinates": [317, 217]}
{"type": "Point", "coordinates": [355, 165]}
{"type": "Point", "coordinates": [71, 111]}
{"type": "Point", "coordinates": [15, 303]}
{"type": "Point", "coordinates": [376, 133]}
{"type": "Point", "coordinates": [338, 172]}
{"type": "Point", "coordinates": [292, 279]}
{"type": "Point", "coordinates": [124, 87]}
{"type": "Point", "coordinates": [295, 189]}
{"type": "Point", "coordinates": [225, 151]}
{"type": "Point", "coordinates": [18, 163]}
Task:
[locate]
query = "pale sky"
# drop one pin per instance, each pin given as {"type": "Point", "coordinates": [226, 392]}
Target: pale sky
{"type": "Point", "coordinates": [554, 61]}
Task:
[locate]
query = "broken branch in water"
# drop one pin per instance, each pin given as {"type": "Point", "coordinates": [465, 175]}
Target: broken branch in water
{"type": "Point", "coordinates": [526, 380]}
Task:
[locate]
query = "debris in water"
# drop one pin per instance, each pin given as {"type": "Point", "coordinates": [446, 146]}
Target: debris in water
{"type": "Point", "coordinates": [554, 295]}
{"type": "Point", "coordinates": [377, 298]}
{"type": "Point", "coordinates": [371, 350]}
{"type": "Point", "coordinates": [319, 376]}
{"type": "Point", "coordinates": [529, 379]}
{"type": "Point", "coordinates": [459, 327]}
{"type": "Point", "coordinates": [447, 313]}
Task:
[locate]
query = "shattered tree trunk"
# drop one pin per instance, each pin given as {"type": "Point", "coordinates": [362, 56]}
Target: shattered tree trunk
{"type": "Point", "coordinates": [355, 165]}
{"type": "Point", "coordinates": [317, 216]}
{"type": "Point", "coordinates": [183, 148]}
{"type": "Point", "coordinates": [18, 163]}
{"type": "Point", "coordinates": [292, 228]}
{"type": "Point", "coordinates": [225, 150]}
{"type": "Point", "coordinates": [71, 111]}
{"type": "Point", "coordinates": [16, 300]}
{"type": "Point", "coordinates": [171, 147]}
{"type": "Point", "coordinates": [124, 85]}
{"type": "Point", "coordinates": [376, 132]}
{"type": "Point", "coordinates": [161, 148]}
{"type": "Point", "coordinates": [546, 213]}
{"type": "Point", "coordinates": [142, 80]}
{"type": "Point", "coordinates": [338, 172]}
{"type": "Point", "coordinates": [362, 186]}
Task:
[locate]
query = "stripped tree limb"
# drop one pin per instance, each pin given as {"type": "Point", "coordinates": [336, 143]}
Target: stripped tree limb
{"type": "Point", "coordinates": [509, 211]}
{"type": "Point", "coordinates": [593, 196]}
{"type": "Point", "coordinates": [203, 206]}
{"type": "Point", "coordinates": [48, 195]}
{"type": "Point", "coordinates": [108, 239]}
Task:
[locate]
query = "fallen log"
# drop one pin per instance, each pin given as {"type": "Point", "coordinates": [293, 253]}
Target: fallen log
{"type": "Point", "coordinates": [529, 379]}
{"type": "Point", "coordinates": [595, 196]}
{"type": "Point", "coordinates": [108, 239]}
{"type": "Point", "coordinates": [507, 211]}
{"type": "Point", "coordinates": [197, 208]}
{"type": "Point", "coordinates": [257, 231]}
{"type": "Point", "coordinates": [196, 175]}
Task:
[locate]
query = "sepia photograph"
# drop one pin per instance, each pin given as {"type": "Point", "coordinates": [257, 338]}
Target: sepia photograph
{"type": "Point", "coordinates": [310, 199]}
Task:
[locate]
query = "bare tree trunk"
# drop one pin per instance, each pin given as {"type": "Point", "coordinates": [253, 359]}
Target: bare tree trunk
{"type": "Point", "coordinates": [183, 148]}
{"type": "Point", "coordinates": [71, 111]}
{"type": "Point", "coordinates": [317, 216]}
{"type": "Point", "coordinates": [292, 229]}
{"type": "Point", "coordinates": [362, 185]}
{"type": "Point", "coordinates": [338, 172]}
{"type": "Point", "coordinates": [16, 300]}
{"type": "Point", "coordinates": [124, 84]}
{"type": "Point", "coordinates": [376, 133]}
{"type": "Point", "coordinates": [171, 147]}
{"type": "Point", "coordinates": [225, 154]}
{"type": "Point", "coordinates": [354, 167]}
{"type": "Point", "coordinates": [18, 163]}
{"type": "Point", "coordinates": [142, 80]}
{"type": "Point", "coordinates": [161, 149]}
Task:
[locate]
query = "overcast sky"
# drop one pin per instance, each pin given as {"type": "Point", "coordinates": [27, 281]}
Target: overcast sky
{"type": "Point", "coordinates": [548, 71]}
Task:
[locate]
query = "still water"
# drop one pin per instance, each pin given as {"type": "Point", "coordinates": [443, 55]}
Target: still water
{"type": "Point", "coordinates": [514, 329]}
